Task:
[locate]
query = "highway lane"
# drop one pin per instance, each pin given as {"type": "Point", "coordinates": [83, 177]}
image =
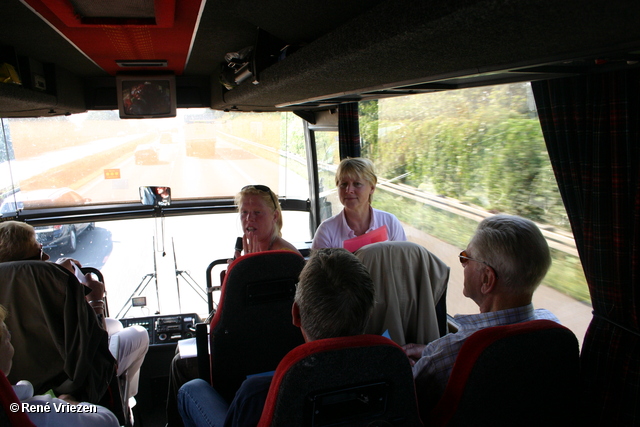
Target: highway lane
{"type": "Point", "coordinates": [133, 254]}
{"type": "Point", "coordinates": [188, 177]}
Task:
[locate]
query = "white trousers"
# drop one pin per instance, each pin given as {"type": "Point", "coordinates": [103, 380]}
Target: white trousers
{"type": "Point", "coordinates": [129, 346]}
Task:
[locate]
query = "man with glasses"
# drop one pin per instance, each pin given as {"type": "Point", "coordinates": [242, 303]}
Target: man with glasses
{"type": "Point", "coordinates": [504, 263]}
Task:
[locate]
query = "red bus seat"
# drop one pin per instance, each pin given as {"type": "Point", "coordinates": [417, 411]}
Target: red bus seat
{"type": "Point", "coordinates": [252, 329]}
{"type": "Point", "coordinates": [526, 374]}
{"type": "Point", "coordinates": [7, 398]}
{"type": "Point", "coordinates": [353, 381]}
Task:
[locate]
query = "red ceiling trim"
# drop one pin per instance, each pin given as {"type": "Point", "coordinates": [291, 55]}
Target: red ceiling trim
{"type": "Point", "coordinates": [107, 40]}
{"type": "Point", "coordinates": [65, 12]}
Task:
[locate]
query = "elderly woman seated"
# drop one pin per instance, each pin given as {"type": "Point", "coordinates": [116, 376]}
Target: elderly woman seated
{"type": "Point", "coordinates": [58, 324]}
{"type": "Point", "coordinates": [23, 391]}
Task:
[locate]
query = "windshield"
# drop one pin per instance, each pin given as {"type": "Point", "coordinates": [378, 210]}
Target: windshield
{"type": "Point", "coordinates": [96, 158]}
{"type": "Point", "coordinates": [99, 160]}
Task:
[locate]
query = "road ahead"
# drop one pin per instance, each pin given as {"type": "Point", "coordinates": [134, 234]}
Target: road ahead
{"type": "Point", "coordinates": [134, 254]}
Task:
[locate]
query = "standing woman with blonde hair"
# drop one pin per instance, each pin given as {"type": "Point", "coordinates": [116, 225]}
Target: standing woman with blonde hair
{"type": "Point", "coordinates": [356, 181]}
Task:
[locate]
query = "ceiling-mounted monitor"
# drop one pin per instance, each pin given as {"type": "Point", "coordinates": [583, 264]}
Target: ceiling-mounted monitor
{"type": "Point", "coordinates": [146, 96]}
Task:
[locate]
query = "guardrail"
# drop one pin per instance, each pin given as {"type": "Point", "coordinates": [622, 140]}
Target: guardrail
{"type": "Point", "coordinates": [556, 239]}
{"type": "Point", "coordinates": [561, 241]}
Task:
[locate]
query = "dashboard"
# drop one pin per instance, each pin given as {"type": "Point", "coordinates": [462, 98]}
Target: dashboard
{"type": "Point", "coordinates": [166, 329]}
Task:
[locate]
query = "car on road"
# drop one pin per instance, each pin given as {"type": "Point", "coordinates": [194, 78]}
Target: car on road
{"type": "Point", "coordinates": [200, 139]}
{"type": "Point", "coordinates": [147, 154]}
{"type": "Point", "coordinates": [167, 138]}
{"type": "Point", "coordinates": [51, 236]}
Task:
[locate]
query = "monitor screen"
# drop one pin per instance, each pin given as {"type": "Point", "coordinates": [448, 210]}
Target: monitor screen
{"type": "Point", "coordinates": [146, 96]}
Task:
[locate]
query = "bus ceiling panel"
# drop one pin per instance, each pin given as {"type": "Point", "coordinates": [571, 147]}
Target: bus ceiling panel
{"type": "Point", "coordinates": [230, 25]}
{"type": "Point", "coordinates": [31, 36]}
{"type": "Point", "coordinates": [404, 42]}
{"type": "Point", "coordinates": [343, 51]}
{"type": "Point", "coordinates": [120, 31]}
{"type": "Point", "coordinates": [62, 95]}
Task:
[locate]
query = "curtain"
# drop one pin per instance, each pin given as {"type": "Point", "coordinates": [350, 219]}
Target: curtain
{"type": "Point", "coordinates": [591, 125]}
{"type": "Point", "coordinates": [348, 130]}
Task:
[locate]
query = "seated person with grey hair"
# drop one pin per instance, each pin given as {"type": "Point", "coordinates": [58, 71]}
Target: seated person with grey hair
{"type": "Point", "coordinates": [73, 356]}
{"type": "Point", "coordinates": [334, 298]}
{"type": "Point", "coordinates": [89, 416]}
{"type": "Point", "coordinates": [504, 263]}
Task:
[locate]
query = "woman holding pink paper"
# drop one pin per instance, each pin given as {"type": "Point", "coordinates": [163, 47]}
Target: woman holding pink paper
{"type": "Point", "coordinates": [356, 181]}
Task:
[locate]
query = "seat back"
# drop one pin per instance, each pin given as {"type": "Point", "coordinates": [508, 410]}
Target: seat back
{"type": "Point", "coordinates": [356, 381]}
{"type": "Point", "coordinates": [8, 398]}
{"type": "Point", "coordinates": [252, 329]}
{"type": "Point", "coordinates": [411, 285]}
{"type": "Point", "coordinates": [526, 374]}
{"type": "Point", "coordinates": [48, 318]}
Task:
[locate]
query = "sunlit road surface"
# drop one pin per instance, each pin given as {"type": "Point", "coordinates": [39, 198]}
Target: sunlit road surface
{"type": "Point", "coordinates": [168, 257]}
{"type": "Point", "coordinates": [189, 177]}
{"type": "Point", "coordinates": [23, 169]}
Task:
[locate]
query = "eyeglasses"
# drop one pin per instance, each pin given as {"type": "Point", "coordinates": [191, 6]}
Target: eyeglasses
{"type": "Point", "coordinates": [38, 257]}
{"type": "Point", "coordinates": [264, 189]}
{"type": "Point", "coordinates": [465, 258]}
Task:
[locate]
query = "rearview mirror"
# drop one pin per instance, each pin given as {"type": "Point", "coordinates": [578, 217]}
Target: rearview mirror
{"type": "Point", "coordinates": [155, 196]}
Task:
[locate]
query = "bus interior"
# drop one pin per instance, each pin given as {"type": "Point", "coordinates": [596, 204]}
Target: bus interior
{"type": "Point", "coordinates": [105, 103]}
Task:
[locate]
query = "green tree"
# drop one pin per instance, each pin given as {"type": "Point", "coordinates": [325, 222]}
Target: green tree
{"type": "Point", "coordinates": [481, 145]}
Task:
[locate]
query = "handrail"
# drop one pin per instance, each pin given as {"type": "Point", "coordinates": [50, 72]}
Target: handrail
{"type": "Point", "coordinates": [210, 287]}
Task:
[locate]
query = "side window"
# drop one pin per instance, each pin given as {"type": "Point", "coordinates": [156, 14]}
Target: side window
{"type": "Point", "coordinates": [328, 152]}
{"type": "Point", "coordinates": [447, 160]}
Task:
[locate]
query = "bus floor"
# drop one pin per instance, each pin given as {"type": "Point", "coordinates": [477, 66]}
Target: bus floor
{"type": "Point", "coordinates": [150, 410]}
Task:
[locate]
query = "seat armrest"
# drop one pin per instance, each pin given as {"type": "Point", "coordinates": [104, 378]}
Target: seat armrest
{"type": "Point", "coordinates": [202, 347]}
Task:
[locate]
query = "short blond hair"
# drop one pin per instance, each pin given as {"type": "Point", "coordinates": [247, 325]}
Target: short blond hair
{"type": "Point", "coordinates": [357, 167]}
{"type": "Point", "coordinates": [16, 240]}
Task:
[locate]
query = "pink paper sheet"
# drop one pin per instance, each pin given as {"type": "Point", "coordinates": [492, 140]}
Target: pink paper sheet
{"type": "Point", "coordinates": [374, 236]}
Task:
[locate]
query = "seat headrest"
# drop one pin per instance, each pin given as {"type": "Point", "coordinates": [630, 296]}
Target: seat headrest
{"type": "Point", "coordinates": [331, 369]}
